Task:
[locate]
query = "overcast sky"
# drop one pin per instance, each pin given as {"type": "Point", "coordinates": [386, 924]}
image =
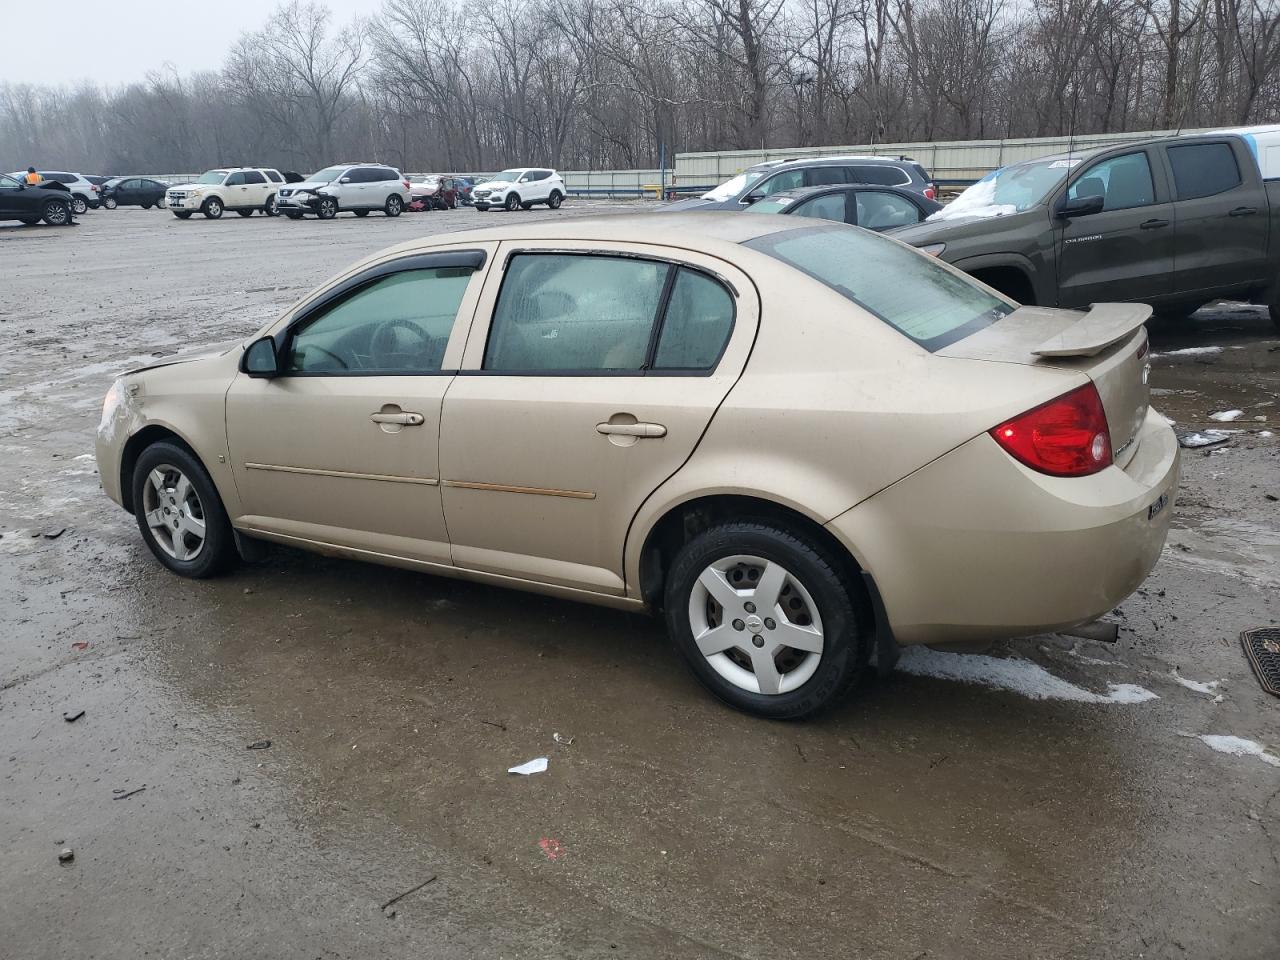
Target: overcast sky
{"type": "Point", "coordinates": [117, 43]}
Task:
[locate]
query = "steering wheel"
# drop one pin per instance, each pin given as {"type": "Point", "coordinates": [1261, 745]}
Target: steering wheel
{"type": "Point", "coordinates": [384, 342]}
{"type": "Point", "coordinates": [316, 346]}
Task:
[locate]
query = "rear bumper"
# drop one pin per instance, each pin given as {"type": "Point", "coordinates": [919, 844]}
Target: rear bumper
{"type": "Point", "coordinates": [977, 547]}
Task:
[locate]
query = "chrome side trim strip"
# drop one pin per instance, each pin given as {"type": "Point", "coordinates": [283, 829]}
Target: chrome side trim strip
{"type": "Point", "coordinates": [313, 472]}
{"type": "Point", "coordinates": [505, 488]}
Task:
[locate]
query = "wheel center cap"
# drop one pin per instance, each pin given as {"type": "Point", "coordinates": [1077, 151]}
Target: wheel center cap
{"type": "Point", "coordinates": [754, 623]}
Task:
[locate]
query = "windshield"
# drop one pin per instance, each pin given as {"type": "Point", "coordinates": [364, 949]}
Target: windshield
{"type": "Point", "coordinates": [213, 176]}
{"type": "Point", "coordinates": [909, 290]}
{"type": "Point", "coordinates": [507, 175]}
{"type": "Point", "coordinates": [1009, 190]}
{"type": "Point", "coordinates": [327, 175]}
{"type": "Point", "coordinates": [732, 188]}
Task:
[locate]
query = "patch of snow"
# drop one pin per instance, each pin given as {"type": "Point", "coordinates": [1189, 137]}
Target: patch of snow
{"type": "Point", "coordinates": [1225, 416]}
{"type": "Point", "coordinates": [1239, 747]}
{"type": "Point", "coordinates": [1199, 686]}
{"type": "Point", "coordinates": [1265, 433]}
{"type": "Point", "coordinates": [1189, 352]}
{"type": "Point", "coordinates": [1019, 676]}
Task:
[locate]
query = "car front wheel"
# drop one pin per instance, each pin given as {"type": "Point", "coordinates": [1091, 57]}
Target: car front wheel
{"type": "Point", "coordinates": [109, 203]}
{"type": "Point", "coordinates": [327, 208]}
{"type": "Point", "coordinates": [212, 208]}
{"type": "Point", "coordinates": [182, 214]}
{"type": "Point", "coordinates": [180, 513]}
{"type": "Point", "coordinates": [56, 213]}
{"type": "Point", "coordinates": [513, 201]}
{"type": "Point", "coordinates": [765, 620]}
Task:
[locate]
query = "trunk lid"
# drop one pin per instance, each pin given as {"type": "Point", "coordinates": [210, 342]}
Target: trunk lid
{"type": "Point", "coordinates": [1107, 343]}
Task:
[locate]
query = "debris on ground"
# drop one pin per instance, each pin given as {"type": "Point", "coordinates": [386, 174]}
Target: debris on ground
{"type": "Point", "coordinates": [259, 745]}
{"type": "Point", "coordinates": [54, 534]}
{"type": "Point", "coordinates": [1239, 747]}
{"type": "Point", "coordinates": [1199, 686]}
{"type": "Point", "coordinates": [66, 855]}
{"type": "Point", "coordinates": [126, 794]}
{"type": "Point", "coordinates": [1188, 352]}
{"type": "Point", "coordinates": [561, 739]}
{"type": "Point", "coordinates": [537, 765]}
{"type": "Point", "coordinates": [552, 847]}
{"type": "Point", "coordinates": [1192, 439]}
{"type": "Point", "coordinates": [397, 899]}
{"type": "Point", "coordinates": [80, 645]}
{"type": "Point", "coordinates": [1226, 416]}
{"type": "Point", "coordinates": [71, 716]}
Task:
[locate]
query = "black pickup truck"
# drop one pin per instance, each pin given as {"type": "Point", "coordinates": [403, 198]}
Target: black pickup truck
{"type": "Point", "coordinates": [1176, 222]}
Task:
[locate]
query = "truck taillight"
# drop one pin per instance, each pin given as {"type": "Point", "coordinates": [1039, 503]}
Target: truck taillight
{"type": "Point", "coordinates": [1066, 437]}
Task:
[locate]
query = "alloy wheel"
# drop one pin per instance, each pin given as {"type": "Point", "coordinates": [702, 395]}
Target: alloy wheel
{"type": "Point", "coordinates": [174, 512]}
{"type": "Point", "coordinates": [78, 206]}
{"type": "Point", "coordinates": [756, 624]}
{"type": "Point", "coordinates": [56, 214]}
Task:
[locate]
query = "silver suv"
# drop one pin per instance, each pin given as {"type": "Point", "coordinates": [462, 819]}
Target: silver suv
{"type": "Point", "coordinates": [358, 187]}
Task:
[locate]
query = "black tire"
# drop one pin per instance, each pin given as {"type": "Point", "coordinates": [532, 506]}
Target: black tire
{"type": "Point", "coordinates": [78, 205]}
{"type": "Point", "coordinates": [212, 208]}
{"type": "Point", "coordinates": [327, 208]}
{"type": "Point", "coordinates": [218, 551]}
{"type": "Point", "coordinates": [109, 203]}
{"type": "Point", "coordinates": [146, 206]}
{"type": "Point", "coordinates": [513, 201]}
{"type": "Point", "coordinates": [394, 206]}
{"type": "Point", "coordinates": [245, 213]}
{"type": "Point", "coordinates": [56, 213]}
{"type": "Point", "coordinates": [182, 214]}
{"type": "Point", "coordinates": [526, 206]}
{"type": "Point", "coordinates": [271, 208]}
{"type": "Point", "coordinates": [481, 208]}
{"type": "Point", "coordinates": [555, 200]}
{"type": "Point", "coordinates": [361, 213]}
{"type": "Point", "coordinates": [846, 643]}
{"type": "Point", "coordinates": [293, 214]}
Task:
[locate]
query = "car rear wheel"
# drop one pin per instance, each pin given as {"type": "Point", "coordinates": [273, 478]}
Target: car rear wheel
{"type": "Point", "coordinates": [109, 203]}
{"type": "Point", "coordinates": [765, 620]}
{"type": "Point", "coordinates": [182, 214]}
{"type": "Point", "coordinates": [56, 213]}
{"type": "Point", "coordinates": [327, 208]}
{"type": "Point", "coordinates": [180, 513]}
{"type": "Point", "coordinates": [555, 200]}
{"type": "Point", "coordinates": [513, 201]}
{"type": "Point", "coordinates": [212, 208]}
{"type": "Point", "coordinates": [394, 205]}
{"type": "Point", "coordinates": [79, 205]}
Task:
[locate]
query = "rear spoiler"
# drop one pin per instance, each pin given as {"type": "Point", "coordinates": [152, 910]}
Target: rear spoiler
{"type": "Point", "coordinates": [1104, 324]}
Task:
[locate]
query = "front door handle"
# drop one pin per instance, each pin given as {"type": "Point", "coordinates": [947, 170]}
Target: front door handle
{"type": "Point", "coordinates": [632, 429]}
{"type": "Point", "coordinates": [1154, 224]}
{"type": "Point", "coordinates": [1243, 212]}
{"type": "Point", "coordinates": [404, 419]}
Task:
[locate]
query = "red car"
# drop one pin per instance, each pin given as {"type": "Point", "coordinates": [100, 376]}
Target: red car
{"type": "Point", "coordinates": [432, 192]}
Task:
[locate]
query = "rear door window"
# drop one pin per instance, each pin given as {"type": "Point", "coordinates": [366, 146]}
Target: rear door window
{"type": "Point", "coordinates": [696, 325]}
{"type": "Point", "coordinates": [880, 210]}
{"type": "Point", "coordinates": [1203, 169]}
{"type": "Point", "coordinates": [253, 176]}
{"type": "Point", "coordinates": [831, 206]}
{"type": "Point", "coordinates": [823, 176]}
{"type": "Point", "coordinates": [274, 176]}
{"type": "Point", "coordinates": [908, 290]}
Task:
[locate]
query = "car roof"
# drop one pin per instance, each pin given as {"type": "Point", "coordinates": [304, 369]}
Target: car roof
{"type": "Point", "coordinates": [831, 161]}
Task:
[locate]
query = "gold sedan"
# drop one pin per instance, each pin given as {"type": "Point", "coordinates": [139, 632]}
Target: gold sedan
{"type": "Point", "coordinates": [801, 442]}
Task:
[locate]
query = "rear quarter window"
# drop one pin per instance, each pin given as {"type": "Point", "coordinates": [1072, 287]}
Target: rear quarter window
{"type": "Point", "coordinates": [882, 174]}
{"type": "Point", "coordinates": [909, 291]}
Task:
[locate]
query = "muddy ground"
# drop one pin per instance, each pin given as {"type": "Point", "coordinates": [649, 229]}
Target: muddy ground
{"type": "Point", "coordinates": [1032, 813]}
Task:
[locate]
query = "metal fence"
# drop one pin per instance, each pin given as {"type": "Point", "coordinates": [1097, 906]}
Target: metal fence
{"type": "Point", "coordinates": [952, 163]}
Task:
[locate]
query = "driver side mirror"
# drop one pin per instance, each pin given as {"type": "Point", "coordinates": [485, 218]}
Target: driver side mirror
{"type": "Point", "coordinates": [753, 197]}
{"type": "Point", "coordinates": [345, 180]}
{"type": "Point", "coordinates": [260, 359]}
{"type": "Point", "coordinates": [1081, 206]}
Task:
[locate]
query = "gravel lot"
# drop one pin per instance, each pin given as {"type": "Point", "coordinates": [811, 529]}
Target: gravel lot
{"type": "Point", "coordinates": [1033, 814]}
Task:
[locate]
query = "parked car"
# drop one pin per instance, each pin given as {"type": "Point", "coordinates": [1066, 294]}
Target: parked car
{"type": "Point", "coordinates": [1175, 222]}
{"type": "Point", "coordinates": [84, 194]}
{"type": "Point", "coordinates": [465, 185]}
{"type": "Point", "coordinates": [797, 440]}
{"type": "Point", "coordinates": [432, 192]}
{"type": "Point", "coordinates": [776, 176]}
{"type": "Point", "coordinates": [242, 189]}
{"type": "Point", "coordinates": [134, 192]}
{"type": "Point", "coordinates": [358, 187]}
{"type": "Point", "coordinates": [521, 187]}
{"type": "Point", "coordinates": [51, 203]}
{"type": "Point", "coordinates": [873, 208]}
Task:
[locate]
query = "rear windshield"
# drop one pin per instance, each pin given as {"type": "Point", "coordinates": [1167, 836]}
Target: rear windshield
{"type": "Point", "coordinates": [909, 290]}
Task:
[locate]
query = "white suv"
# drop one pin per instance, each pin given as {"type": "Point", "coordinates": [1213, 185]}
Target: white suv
{"type": "Point", "coordinates": [242, 189]}
{"type": "Point", "coordinates": [522, 187]}
{"type": "Point", "coordinates": [358, 187]}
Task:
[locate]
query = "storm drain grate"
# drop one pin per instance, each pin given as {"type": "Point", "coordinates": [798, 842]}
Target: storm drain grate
{"type": "Point", "coordinates": [1262, 648]}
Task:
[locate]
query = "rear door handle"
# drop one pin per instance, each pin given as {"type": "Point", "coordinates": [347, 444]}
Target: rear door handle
{"type": "Point", "coordinates": [632, 429]}
{"type": "Point", "coordinates": [1243, 212]}
{"type": "Point", "coordinates": [1154, 224]}
{"type": "Point", "coordinates": [404, 419]}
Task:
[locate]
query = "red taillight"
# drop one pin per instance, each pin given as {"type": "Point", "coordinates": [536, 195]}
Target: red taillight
{"type": "Point", "coordinates": [930, 193]}
{"type": "Point", "coordinates": [96, 188]}
{"type": "Point", "coordinates": [1066, 437]}
{"type": "Point", "coordinates": [406, 184]}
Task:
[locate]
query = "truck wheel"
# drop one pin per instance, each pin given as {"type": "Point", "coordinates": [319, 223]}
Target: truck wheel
{"type": "Point", "coordinates": [513, 201]}
{"type": "Point", "coordinates": [212, 208]}
{"type": "Point", "coordinates": [327, 208]}
{"type": "Point", "coordinates": [555, 200]}
{"type": "Point", "coordinates": [78, 204]}
{"type": "Point", "coordinates": [56, 213]}
{"type": "Point", "coordinates": [394, 205]}
{"type": "Point", "coordinates": [182, 214]}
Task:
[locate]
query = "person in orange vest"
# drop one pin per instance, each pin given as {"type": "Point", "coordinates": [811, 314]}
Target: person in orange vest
{"type": "Point", "coordinates": [32, 178]}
